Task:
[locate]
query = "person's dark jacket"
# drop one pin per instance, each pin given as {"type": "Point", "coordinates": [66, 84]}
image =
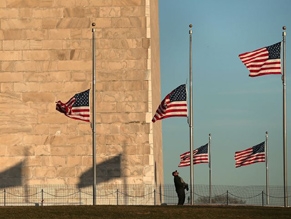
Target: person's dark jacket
{"type": "Point", "coordinates": [179, 184]}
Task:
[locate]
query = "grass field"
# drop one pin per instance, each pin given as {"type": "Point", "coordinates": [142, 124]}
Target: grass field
{"type": "Point", "coordinates": [146, 212]}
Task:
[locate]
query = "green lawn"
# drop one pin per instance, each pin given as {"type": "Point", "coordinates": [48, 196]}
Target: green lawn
{"type": "Point", "coordinates": [143, 212]}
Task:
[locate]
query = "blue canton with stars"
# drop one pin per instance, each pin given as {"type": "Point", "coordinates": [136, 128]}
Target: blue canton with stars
{"type": "Point", "coordinates": [82, 99]}
{"type": "Point", "coordinates": [179, 94]}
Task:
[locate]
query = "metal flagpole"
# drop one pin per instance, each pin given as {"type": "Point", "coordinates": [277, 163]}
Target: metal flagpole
{"type": "Point", "coordinates": [209, 165]}
{"type": "Point", "coordinates": [284, 118]}
{"type": "Point", "coordinates": [267, 170]}
{"type": "Point", "coordinates": [93, 114]}
{"type": "Point", "coordinates": [190, 121]}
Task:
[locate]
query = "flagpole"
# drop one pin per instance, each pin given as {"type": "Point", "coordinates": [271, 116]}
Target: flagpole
{"type": "Point", "coordinates": [190, 121]}
{"type": "Point", "coordinates": [209, 165]}
{"type": "Point", "coordinates": [267, 170]}
{"type": "Point", "coordinates": [93, 114]}
{"type": "Point", "coordinates": [284, 118]}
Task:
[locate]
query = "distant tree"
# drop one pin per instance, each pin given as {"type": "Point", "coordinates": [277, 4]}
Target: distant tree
{"type": "Point", "coordinates": [220, 199]}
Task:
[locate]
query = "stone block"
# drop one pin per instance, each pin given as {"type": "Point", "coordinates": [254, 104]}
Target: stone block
{"type": "Point", "coordinates": [14, 34]}
{"type": "Point", "coordinates": [114, 149]}
{"type": "Point", "coordinates": [27, 87]}
{"type": "Point", "coordinates": [60, 55]}
{"type": "Point", "coordinates": [74, 12]}
{"type": "Point", "coordinates": [100, 3]}
{"type": "Point", "coordinates": [56, 129]}
{"type": "Point", "coordinates": [132, 11]}
{"type": "Point", "coordinates": [24, 12]}
{"type": "Point", "coordinates": [77, 34]}
{"type": "Point", "coordinates": [35, 44]}
{"type": "Point", "coordinates": [48, 44]}
{"type": "Point", "coordinates": [79, 76]}
{"type": "Point", "coordinates": [87, 161]}
{"type": "Point", "coordinates": [106, 107]}
{"type": "Point", "coordinates": [108, 128]}
{"type": "Point", "coordinates": [109, 12]}
{"type": "Point", "coordinates": [10, 139]}
{"type": "Point", "coordinates": [48, 172]}
{"type": "Point", "coordinates": [65, 172]}
{"type": "Point", "coordinates": [52, 118]}
{"type": "Point", "coordinates": [136, 64]}
{"type": "Point", "coordinates": [47, 77]}
{"type": "Point", "coordinates": [66, 3]}
{"type": "Point", "coordinates": [7, 24]}
{"type": "Point", "coordinates": [73, 161]}
{"type": "Point", "coordinates": [36, 55]}
{"type": "Point", "coordinates": [8, 45]}
{"type": "Point", "coordinates": [32, 34]}
{"type": "Point", "coordinates": [14, 126]}
{"type": "Point", "coordinates": [132, 107]}
{"type": "Point", "coordinates": [38, 181]}
{"type": "Point", "coordinates": [135, 33]}
{"type": "Point", "coordinates": [57, 181]}
{"type": "Point", "coordinates": [34, 140]}
{"type": "Point", "coordinates": [63, 151]}
{"type": "Point", "coordinates": [3, 151]}
{"type": "Point", "coordinates": [75, 65]}
{"type": "Point", "coordinates": [41, 150]}
{"type": "Point", "coordinates": [9, 162]}
{"type": "Point", "coordinates": [128, 2]}
{"type": "Point", "coordinates": [11, 55]}
{"type": "Point", "coordinates": [47, 13]}
{"type": "Point", "coordinates": [49, 23]}
{"type": "Point", "coordinates": [6, 87]}
{"type": "Point", "coordinates": [58, 161]}
{"type": "Point", "coordinates": [72, 23]}
{"type": "Point", "coordinates": [38, 97]}
{"type": "Point", "coordinates": [131, 22]}
{"type": "Point", "coordinates": [59, 34]}
{"type": "Point", "coordinates": [76, 44]}
{"type": "Point", "coordinates": [129, 128]}
{"type": "Point", "coordinates": [11, 77]}
{"type": "Point", "coordinates": [29, 3]}
{"type": "Point", "coordinates": [8, 13]}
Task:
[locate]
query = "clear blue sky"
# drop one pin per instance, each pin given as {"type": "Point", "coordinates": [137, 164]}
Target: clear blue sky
{"type": "Point", "coordinates": [237, 110]}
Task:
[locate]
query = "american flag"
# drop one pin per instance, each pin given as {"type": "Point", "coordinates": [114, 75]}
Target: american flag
{"type": "Point", "coordinates": [251, 155]}
{"type": "Point", "coordinates": [263, 61]}
{"type": "Point", "coordinates": [200, 155]}
{"type": "Point", "coordinates": [77, 107]}
{"type": "Point", "coordinates": [173, 105]}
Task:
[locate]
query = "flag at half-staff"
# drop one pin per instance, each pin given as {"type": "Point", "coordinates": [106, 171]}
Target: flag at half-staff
{"type": "Point", "coordinates": [250, 155]}
{"type": "Point", "coordinates": [77, 107]}
{"type": "Point", "coordinates": [263, 61]}
{"type": "Point", "coordinates": [200, 155]}
{"type": "Point", "coordinates": [173, 105]}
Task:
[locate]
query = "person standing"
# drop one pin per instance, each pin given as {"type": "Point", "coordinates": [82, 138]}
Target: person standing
{"type": "Point", "coordinates": [180, 187]}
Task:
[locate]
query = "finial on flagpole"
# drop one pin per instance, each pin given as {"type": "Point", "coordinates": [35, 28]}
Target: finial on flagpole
{"type": "Point", "coordinates": [190, 31]}
{"type": "Point", "coordinates": [284, 27]}
{"type": "Point", "coordinates": [93, 27]}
